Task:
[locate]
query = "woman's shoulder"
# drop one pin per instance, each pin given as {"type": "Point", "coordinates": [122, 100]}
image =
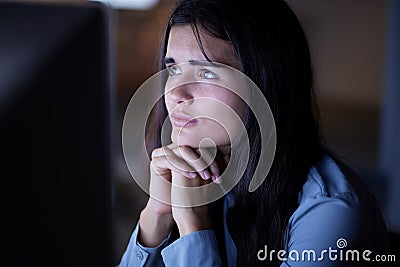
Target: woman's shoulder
{"type": "Point", "coordinates": [332, 179]}
{"type": "Point", "coordinates": [335, 202]}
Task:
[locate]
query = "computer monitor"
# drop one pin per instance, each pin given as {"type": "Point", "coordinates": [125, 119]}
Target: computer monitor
{"type": "Point", "coordinates": [55, 134]}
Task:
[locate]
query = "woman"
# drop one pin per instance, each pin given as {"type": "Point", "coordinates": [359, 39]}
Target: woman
{"type": "Point", "coordinates": [309, 201]}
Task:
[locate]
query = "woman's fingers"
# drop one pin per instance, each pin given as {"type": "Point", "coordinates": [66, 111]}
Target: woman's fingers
{"type": "Point", "coordinates": [208, 156]}
{"type": "Point", "coordinates": [193, 159]}
{"type": "Point", "coordinates": [186, 161]}
{"type": "Point", "coordinates": [205, 164]}
{"type": "Point", "coordinates": [164, 160]}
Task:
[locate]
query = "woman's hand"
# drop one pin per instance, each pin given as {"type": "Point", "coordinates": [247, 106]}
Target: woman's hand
{"type": "Point", "coordinates": [180, 166]}
{"type": "Point", "coordinates": [192, 219]}
{"type": "Point", "coordinates": [156, 218]}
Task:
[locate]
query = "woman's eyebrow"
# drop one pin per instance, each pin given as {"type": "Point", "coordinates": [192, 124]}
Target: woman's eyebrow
{"type": "Point", "coordinates": [169, 61]}
{"type": "Point", "coordinates": [203, 63]}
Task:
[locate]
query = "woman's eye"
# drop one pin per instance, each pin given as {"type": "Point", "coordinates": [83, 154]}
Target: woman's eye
{"type": "Point", "coordinates": [174, 70]}
{"type": "Point", "coordinates": [206, 74]}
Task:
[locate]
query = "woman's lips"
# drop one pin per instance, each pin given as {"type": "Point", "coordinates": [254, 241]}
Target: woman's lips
{"type": "Point", "coordinates": [182, 120]}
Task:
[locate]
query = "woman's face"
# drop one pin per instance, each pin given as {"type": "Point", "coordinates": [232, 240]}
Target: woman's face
{"type": "Point", "coordinates": [197, 99]}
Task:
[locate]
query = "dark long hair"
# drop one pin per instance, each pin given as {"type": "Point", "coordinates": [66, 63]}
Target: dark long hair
{"type": "Point", "coordinates": [273, 51]}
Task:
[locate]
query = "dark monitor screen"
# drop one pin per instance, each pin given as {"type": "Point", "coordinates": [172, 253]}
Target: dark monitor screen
{"type": "Point", "coordinates": [55, 132]}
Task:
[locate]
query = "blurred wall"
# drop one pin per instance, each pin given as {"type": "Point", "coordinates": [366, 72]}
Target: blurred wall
{"type": "Point", "coordinates": [390, 130]}
{"type": "Point", "coordinates": [347, 40]}
{"type": "Point", "coordinates": [138, 35]}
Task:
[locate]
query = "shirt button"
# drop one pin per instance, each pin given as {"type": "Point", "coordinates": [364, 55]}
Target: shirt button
{"type": "Point", "coordinates": [139, 255]}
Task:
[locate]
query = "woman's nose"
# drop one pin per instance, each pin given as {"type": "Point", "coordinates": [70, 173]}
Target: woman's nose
{"type": "Point", "coordinates": [180, 94]}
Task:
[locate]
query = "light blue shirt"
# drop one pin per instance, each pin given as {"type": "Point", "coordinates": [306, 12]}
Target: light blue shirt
{"type": "Point", "coordinates": [335, 212]}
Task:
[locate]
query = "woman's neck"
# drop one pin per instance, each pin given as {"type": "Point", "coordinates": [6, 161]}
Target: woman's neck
{"type": "Point", "coordinates": [225, 151]}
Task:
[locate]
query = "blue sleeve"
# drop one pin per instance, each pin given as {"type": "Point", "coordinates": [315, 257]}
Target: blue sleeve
{"type": "Point", "coordinates": [325, 226]}
{"type": "Point", "coordinates": [137, 255]}
{"type": "Point", "coordinates": [196, 249]}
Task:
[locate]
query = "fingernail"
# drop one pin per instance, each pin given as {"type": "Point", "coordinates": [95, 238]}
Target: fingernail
{"type": "Point", "coordinates": [192, 174]}
{"type": "Point", "coordinates": [207, 174]}
{"type": "Point", "coordinates": [218, 180]}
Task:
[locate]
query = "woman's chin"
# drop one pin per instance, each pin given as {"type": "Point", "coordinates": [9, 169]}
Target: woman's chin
{"type": "Point", "coordinates": [195, 141]}
{"type": "Point", "coordinates": [185, 141]}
